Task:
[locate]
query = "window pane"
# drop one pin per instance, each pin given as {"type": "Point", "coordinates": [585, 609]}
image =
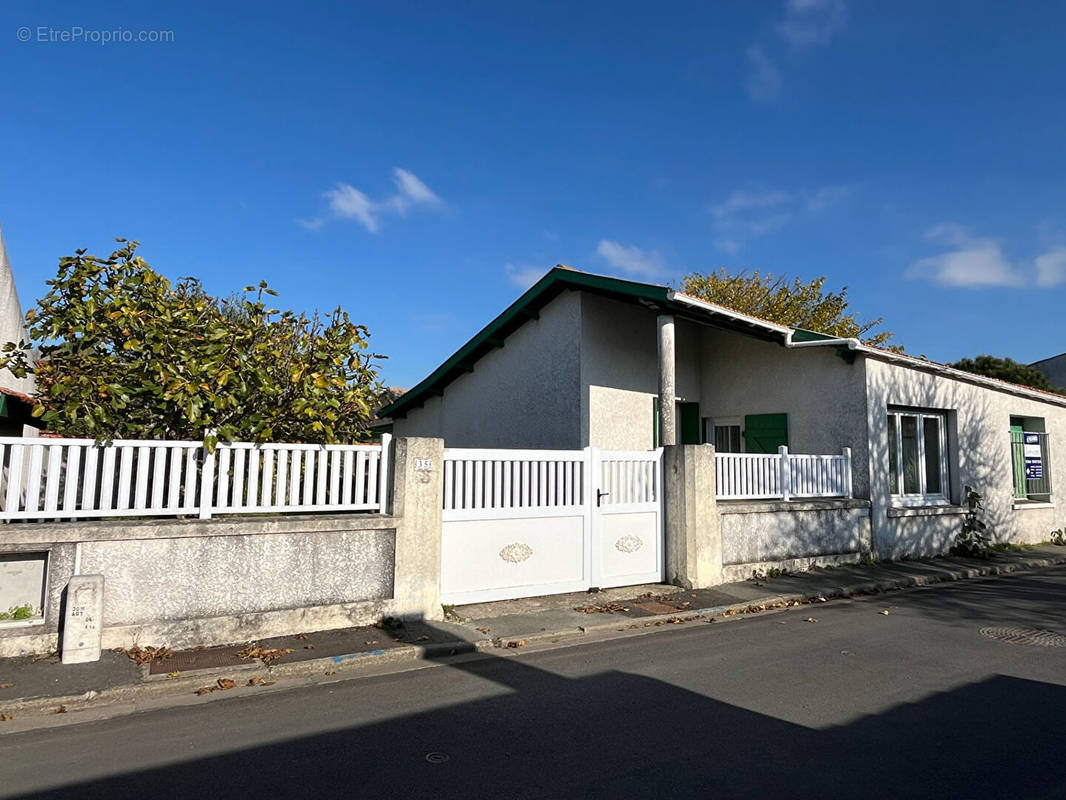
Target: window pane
{"type": "Point", "coordinates": [893, 455]}
{"type": "Point", "coordinates": [909, 435]}
{"type": "Point", "coordinates": [727, 438]}
{"type": "Point", "coordinates": [931, 427]}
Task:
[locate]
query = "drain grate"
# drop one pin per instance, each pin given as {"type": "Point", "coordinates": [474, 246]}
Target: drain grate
{"type": "Point", "coordinates": [1029, 636]}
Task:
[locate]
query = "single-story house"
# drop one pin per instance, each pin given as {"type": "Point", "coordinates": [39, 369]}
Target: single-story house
{"type": "Point", "coordinates": [587, 360]}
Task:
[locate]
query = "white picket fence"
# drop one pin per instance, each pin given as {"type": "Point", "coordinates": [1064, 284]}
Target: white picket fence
{"type": "Point", "coordinates": [489, 479]}
{"type": "Point", "coordinates": [78, 478]}
{"type": "Point", "coordinates": [782, 475]}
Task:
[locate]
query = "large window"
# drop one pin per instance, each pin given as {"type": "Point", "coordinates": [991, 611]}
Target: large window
{"type": "Point", "coordinates": [724, 433]}
{"type": "Point", "coordinates": [917, 457]}
{"type": "Point", "coordinates": [1030, 459]}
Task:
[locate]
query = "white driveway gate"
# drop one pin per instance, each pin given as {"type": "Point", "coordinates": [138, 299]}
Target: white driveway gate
{"type": "Point", "coordinates": [521, 523]}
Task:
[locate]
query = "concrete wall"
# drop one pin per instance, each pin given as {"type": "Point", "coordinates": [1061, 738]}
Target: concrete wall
{"type": "Point", "coordinates": [758, 535]}
{"type": "Point", "coordinates": [823, 395]}
{"type": "Point", "coordinates": [525, 394]}
{"type": "Point", "coordinates": [620, 372]}
{"type": "Point", "coordinates": [183, 583]}
{"type": "Point", "coordinates": [979, 455]}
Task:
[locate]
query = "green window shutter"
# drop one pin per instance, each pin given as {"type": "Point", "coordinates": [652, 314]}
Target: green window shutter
{"type": "Point", "coordinates": [764, 433]}
{"type": "Point", "coordinates": [1017, 451]}
{"type": "Point", "coordinates": [690, 424]}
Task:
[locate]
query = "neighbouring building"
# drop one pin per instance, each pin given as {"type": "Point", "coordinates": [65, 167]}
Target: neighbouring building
{"type": "Point", "coordinates": [586, 360]}
{"type": "Point", "coordinates": [1054, 369]}
{"type": "Point", "coordinates": [16, 394]}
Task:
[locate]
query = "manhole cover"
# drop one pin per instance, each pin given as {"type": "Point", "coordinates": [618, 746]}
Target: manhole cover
{"type": "Point", "coordinates": [1030, 636]}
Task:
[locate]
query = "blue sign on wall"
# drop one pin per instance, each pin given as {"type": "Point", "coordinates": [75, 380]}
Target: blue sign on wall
{"type": "Point", "coordinates": [1034, 462]}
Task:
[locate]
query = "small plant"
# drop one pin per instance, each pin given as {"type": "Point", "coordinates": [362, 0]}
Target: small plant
{"type": "Point", "coordinates": [868, 560]}
{"type": "Point", "coordinates": [1059, 537]}
{"type": "Point", "coordinates": [18, 612]}
{"type": "Point", "coordinates": [971, 540]}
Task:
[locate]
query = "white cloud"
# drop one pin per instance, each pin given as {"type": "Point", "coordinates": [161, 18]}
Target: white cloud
{"type": "Point", "coordinates": [524, 277]}
{"type": "Point", "coordinates": [975, 262]}
{"type": "Point", "coordinates": [747, 199]}
{"type": "Point", "coordinates": [632, 260]}
{"type": "Point", "coordinates": [754, 211]}
{"type": "Point", "coordinates": [1051, 267]}
{"type": "Point", "coordinates": [347, 202]}
{"type": "Point", "coordinates": [812, 22]}
{"type": "Point", "coordinates": [763, 80]}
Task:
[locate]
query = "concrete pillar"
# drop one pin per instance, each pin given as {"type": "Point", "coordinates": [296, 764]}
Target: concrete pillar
{"type": "Point", "coordinates": [693, 546]}
{"type": "Point", "coordinates": [418, 468]}
{"type": "Point", "coordinates": [667, 381]}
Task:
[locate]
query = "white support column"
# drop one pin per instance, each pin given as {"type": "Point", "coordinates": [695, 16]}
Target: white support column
{"type": "Point", "coordinates": [667, 382]}
{"type": "Point", "coordinates": [847, 472]}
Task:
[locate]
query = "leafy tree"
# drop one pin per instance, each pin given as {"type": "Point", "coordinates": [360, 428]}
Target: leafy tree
{"type": "Point", "coordinates": [787, 302]}
{"type": "Point", "coordinates": [125, 354]}
{"type": "Point", "coordinates": [1007, 369]}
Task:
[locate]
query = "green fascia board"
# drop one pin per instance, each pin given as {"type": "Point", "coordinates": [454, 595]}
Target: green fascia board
{"type": "Point", "coordinates": [801, 335]}
{"type": "Point", "coordinates": [528, 306]}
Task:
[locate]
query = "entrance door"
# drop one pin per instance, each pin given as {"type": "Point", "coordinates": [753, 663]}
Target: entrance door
{"type": "Point", "coordinates": [627, 520]}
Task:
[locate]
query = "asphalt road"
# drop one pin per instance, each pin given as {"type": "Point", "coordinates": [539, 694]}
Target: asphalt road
{"type": "Point", "coordinates": [916, 703]}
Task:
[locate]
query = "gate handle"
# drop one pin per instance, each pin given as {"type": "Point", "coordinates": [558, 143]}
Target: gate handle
{"type": "Point", "coordinates": [600, 494]}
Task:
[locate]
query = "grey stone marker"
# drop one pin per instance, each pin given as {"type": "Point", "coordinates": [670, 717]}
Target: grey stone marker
{"type": "Point", "coordinates": [82, 621]}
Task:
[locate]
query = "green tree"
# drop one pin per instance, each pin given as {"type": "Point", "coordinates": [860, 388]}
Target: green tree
{"type": "Point", "coordinates": [1007, 369]}
{"type": "Point", "coordinates": [125, 354]}
{"type": "Point", "coordinates": [788, 302]}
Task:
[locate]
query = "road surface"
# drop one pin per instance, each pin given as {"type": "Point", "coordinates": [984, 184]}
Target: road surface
{"type": "Point", "coordinates": [915, 703]}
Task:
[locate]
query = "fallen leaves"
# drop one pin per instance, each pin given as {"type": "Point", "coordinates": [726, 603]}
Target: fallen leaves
{"type": "Point", "coordinates": [810, 619]}
{"type": "Point", "coordinates": [264, 654]}
{"type": "Point", "coordinates": [883, 613]}
{"type": "Point", "coordinates": [146, 654]}
{"type": "Point", "coordinates": [222, 684]}
{"type": "Point", "coordinates": [6, 685]}
{"type": "Point", "coordinates": [517, 643]}
{"type": "Point", "coordinates": [606, 608]}
{"type": "Point", "coordinates": [255, 680]}
{"type": "Point", "coordinates": [173, 674]}
{"type": "Point", "coordinates": [59, 710]}
{"type": "Point", "coordinates": [6, 718]}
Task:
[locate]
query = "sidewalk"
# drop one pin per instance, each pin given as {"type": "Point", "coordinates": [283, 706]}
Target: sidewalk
{"type": "Point", "coordinates": [33, 686]}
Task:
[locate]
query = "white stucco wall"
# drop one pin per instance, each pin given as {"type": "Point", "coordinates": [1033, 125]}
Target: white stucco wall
{"type": "Point", "coordinates": [822, 394]}
{"type": "Point", "coordinates": [979, 456]}
{"type": "Point", "coordinates": [620, 372]}
{"type": "Point", "coordinates": [12, 323]}
{"type": "Point", "coordinates": [525, 394]}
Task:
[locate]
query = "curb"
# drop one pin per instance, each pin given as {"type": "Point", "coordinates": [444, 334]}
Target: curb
{"type": "Point", "coordinates": [353, 663]}
{"type": "Point", "coordinates": [189, 683]}
{"type": "Point", "coordinates": [774, 602]}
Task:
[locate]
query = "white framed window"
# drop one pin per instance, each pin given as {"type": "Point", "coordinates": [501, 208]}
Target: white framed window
{"type": "Point", "coordinates": [917, 457]}
{"type": "Point", "coordinates": [724, 433]}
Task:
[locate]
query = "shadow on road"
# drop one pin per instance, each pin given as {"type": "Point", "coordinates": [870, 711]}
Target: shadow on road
{"type": "Point", "coordinates": [618, 735]}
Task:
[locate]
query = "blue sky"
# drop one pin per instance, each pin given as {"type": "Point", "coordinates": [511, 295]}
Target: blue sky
{"type": "Point", "coordinates": [420, 163]}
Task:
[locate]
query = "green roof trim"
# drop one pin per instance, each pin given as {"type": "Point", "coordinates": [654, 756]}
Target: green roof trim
{"type": "Point", "coordinates": [801, 335]}
{"type": "Point", "coordinates": [528, 306]}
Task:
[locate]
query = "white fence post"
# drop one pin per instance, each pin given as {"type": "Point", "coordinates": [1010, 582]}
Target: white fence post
{"type": "Point", "coordinates": [786, 473]}
{"type": "Point", "coordinates": [847, 472]}
{"type": "Point", "coordinates": [207, 483]}
{"type": "Point", "coordinates": [384, 500]}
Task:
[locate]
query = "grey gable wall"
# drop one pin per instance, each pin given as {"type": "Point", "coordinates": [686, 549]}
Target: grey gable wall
{"type": "Point", "coordinates": [524, 394]}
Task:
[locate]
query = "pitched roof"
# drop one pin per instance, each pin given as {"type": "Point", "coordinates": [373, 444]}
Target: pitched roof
{"type": "Point", "coordinates": [664, 299]}
{"type": "Point", "coordinates": [562, 278]}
